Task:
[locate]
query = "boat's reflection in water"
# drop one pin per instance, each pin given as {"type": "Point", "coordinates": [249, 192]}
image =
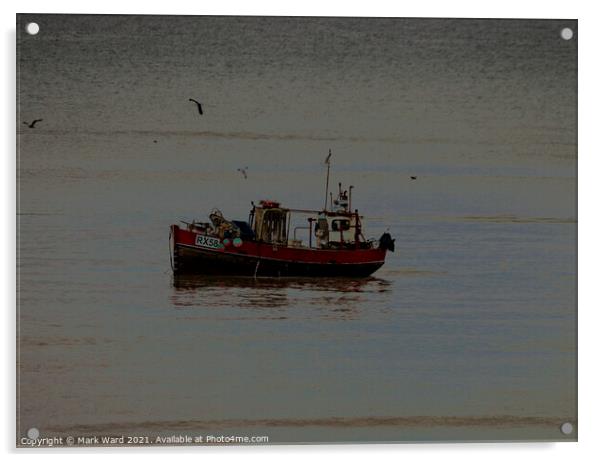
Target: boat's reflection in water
{"type": "Point", "coordinates": [279, 298]}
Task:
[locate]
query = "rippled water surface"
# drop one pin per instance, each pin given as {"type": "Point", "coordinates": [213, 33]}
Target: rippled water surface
{"type": "Point", "coordinates": [468, 331]}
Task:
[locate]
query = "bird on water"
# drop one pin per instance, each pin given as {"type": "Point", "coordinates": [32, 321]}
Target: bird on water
{"type": "Point", "coordinates": [198, 105]}
{"type": "Point", "coordinates": [413, 177]}
{"type": "Point", "coordinates": [33, 124]}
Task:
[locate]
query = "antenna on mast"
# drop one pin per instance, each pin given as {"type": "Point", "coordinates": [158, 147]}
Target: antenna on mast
{"type": "Point", "coordinates": [327, 162]}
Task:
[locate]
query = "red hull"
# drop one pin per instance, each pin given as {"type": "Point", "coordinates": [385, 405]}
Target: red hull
{"type": "Point", "coordinates": [194, 254]}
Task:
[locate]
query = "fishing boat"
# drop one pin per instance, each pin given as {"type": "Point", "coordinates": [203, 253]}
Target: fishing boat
{"type": "Point", "coordinates": [328, 243]}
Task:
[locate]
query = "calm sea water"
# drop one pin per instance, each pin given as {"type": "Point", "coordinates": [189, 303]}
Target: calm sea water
{"type": "Point", "coordinates": [468, 331]}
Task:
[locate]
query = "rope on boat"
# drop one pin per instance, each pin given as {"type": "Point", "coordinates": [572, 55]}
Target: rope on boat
{"type": "Point", "coordinates": [258, 260]}
{"type": "Point", "coordinates": [170, 251]}
{"type": "Point", "coordinates": [256, 268]}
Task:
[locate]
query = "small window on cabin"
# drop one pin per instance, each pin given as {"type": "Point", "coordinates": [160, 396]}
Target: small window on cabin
{"type": "Point", "coordinates": [340, 225]}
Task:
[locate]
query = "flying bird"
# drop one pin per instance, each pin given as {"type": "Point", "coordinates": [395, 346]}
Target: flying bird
{"type": "Point", "coordinates": [198, 105]}
{"type": "Point", "coordinates": [243, 171]}
{"type": "Point", "coordinates": [33, 124]}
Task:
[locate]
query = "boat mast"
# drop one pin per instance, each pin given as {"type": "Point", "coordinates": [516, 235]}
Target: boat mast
{"type": "Point", "coordinates": [350, 188]}
{"type": "Point", "coordinates": [327, 162]}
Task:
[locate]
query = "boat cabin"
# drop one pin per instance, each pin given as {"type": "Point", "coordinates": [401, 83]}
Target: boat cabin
{"type": "Point", "coordinates": [269, 222]}
{"type": "Point", "coordinates": [323, 229]}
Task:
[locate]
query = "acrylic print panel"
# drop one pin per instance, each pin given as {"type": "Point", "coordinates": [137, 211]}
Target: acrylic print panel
{"type": "Point", "coordinates": [268, 230]}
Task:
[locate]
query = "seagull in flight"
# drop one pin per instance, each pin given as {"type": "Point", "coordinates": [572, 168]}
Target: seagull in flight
{"type": "Point", "coordinates": [243, 171]}
{"type": "Point", "coordinates": [33, 124]}
{"type": "Point", "coordinates": [198, 105]}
